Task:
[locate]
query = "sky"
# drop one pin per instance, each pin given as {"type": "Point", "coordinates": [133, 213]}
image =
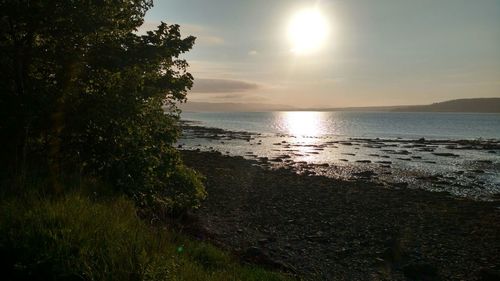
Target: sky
{"type": "Point", "coordinates": [376, 52]}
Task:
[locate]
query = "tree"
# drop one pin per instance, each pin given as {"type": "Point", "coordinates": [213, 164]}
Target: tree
{"type": "Point", "coordinates": [83, 91]}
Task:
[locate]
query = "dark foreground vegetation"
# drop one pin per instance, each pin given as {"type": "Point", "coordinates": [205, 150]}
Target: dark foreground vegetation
{"type": "Point", "coordinates": [79, 236]}
{"type": "Point", "coordinates": [88, 174]}
{"type": "Point", "coordinates": [83, 94]}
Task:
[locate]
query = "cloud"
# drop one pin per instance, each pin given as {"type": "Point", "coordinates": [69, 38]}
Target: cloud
{"type": "Point", "coordinates": [210, 40]}
{"type": "Point", "coordinates": [240, 98]}
{"type": "Point", "coordinates": [227, 97]}
{"type": "Point", "coordinates": [253, 53]}
{"type": "Point", "coordinates": [222, 86]}
{"type": "Point", "coordinates": [231, 98]}
{"type": "Point", "coordinates": [203, 35]}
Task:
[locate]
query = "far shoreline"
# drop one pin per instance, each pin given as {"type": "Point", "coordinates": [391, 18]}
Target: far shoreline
{"type": "Point", "coordinates": [461, 106]}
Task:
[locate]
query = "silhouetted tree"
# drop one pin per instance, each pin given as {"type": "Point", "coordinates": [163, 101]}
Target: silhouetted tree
{"type": "Point", "coordinates": [82, 90]}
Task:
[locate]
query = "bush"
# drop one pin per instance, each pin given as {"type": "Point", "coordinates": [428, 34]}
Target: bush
{"type": "Point", "coordinates": [75, 238]}
{"type": "Point", "coordinates": [183, 190]}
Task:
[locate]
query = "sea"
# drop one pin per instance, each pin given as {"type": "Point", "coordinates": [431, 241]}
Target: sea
{"type": "Point", "coordinates": [457, 153]}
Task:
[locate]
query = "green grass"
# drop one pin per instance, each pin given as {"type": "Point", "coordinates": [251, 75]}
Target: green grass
{"type": "Point", "coordinates": [76, 238]}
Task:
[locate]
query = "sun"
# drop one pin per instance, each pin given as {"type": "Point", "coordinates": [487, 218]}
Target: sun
{"type": "Point", "coordinates": [308, 31]}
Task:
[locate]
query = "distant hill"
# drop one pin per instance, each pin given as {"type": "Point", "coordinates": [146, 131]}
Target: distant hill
{"type": "Point", "coordinates": [479, 105]}
{"type": "Point", "coordinates": [482, 105]}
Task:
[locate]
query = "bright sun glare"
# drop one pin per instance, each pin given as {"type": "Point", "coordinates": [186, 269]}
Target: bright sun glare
{"type": "Point", "coordinates": [302, 123]}
{"type": "Point", "coordinates": [308, 31]}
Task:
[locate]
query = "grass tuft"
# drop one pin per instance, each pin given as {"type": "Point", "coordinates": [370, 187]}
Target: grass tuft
{"type": "Point", "coordinates": [76, 238]}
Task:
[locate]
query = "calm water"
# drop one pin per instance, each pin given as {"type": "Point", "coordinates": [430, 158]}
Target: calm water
{"type": "Point", "coordinates": [357, 124]}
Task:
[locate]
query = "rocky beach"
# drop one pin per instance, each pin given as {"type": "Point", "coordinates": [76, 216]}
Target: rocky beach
{"type": "Point", "coordinates": [356, 220]}
{"type": "Point", "coordinates": [328, 229]}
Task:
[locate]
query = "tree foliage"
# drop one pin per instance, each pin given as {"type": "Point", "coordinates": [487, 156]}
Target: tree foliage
{"type": "Point", "coordinates": [81, 90]}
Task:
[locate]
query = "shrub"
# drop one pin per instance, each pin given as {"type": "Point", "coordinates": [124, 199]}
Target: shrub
{"type": "Point", "coordinates": [183, 190]}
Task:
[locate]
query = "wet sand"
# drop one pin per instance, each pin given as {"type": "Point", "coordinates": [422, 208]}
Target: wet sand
{"type": "Point", "coordinates": [333, 229]}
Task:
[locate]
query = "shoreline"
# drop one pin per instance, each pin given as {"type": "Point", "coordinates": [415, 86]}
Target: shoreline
{"type": "Point", "coordinates": [332, 229]}
{"type": "Point", "coordinates": [197, 129]}
{"type": "Point", "coordinates": [464, 168]}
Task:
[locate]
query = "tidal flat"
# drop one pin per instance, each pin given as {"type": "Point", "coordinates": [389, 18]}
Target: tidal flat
{"type": "Point", "coordinates": [461, 167]}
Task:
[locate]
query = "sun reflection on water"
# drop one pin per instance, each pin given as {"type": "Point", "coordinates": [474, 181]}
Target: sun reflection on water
{"type": "Point", "coordinates": [302, 123]}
